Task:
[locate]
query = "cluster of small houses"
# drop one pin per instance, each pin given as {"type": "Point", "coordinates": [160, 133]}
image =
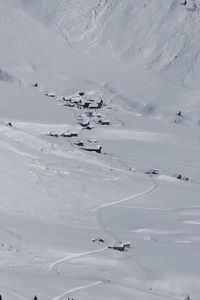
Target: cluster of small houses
{"type": "Point", "coordinates": [92, 111]}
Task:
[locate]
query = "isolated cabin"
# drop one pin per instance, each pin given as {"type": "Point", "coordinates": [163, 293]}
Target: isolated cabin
{"type": "Point", "coordinates": [119, 248]}
{"type": "Point", "coordinates": [81, 93]}
{"type": "Point", "coordinates": [93, 148]}
{"type": "Point", "coordinates": [80, 144]}
{"type": "Point", "coordinates": [105, 122]}
{"type": "Point", "coordinates": [153, 171]}
{"type": "Point", "coordinates": [53, 134]}
{"type": "Point", "coordinates": [51, 95]}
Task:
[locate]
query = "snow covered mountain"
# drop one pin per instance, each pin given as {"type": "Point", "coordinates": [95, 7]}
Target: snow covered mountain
{"type": "Point", "coordinates": [163, 34]}
{"type": "Point", "coordinates": [94, 94]}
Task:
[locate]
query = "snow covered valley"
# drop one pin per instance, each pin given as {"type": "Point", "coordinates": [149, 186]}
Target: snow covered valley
{"type": "Point", "coordinates": [96, 96]}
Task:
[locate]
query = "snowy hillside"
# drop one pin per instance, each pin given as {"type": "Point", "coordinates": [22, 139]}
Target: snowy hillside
{"type": "Point", "coordinates": [99, 134]}
{"type": "Point", "coordinates": [162, 34]}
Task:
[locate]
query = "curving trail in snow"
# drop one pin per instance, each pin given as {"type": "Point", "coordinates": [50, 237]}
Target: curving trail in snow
{"type": "Point", "coordinates": [83, 287]}
{"type": "Point", "coordinates": [99, 209]}
{"type": "Point", "coordinates": [54, 267]}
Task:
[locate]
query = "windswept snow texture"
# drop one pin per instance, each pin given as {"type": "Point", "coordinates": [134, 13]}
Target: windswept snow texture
{"type": "Point", "coordinates": [65, 209]}
{"type": "Point", "coordinates": [160, 34]}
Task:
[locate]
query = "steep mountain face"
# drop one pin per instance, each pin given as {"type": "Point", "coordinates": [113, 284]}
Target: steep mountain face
{"type": "Point", "coordinates": [159, 34]}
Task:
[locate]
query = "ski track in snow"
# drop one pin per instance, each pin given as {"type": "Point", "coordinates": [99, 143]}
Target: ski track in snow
{"type": "Point", "coordinates": [54, 267]}
{"type": "Point", "coordinates": [83, 287]}
{"type": "Point", "coordinates": [99, 209]}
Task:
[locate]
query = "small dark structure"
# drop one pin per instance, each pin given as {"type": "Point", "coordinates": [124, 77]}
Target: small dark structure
{"type": "Point", "coordinates": [100, 104]}
{"type": "Point", "coordinates": [96, 149]}
{"type": "Point", "coordinates": [180, 177]}
{"type": "Point", "coordinates": [179, 113]}
{"type": "Point", "coordinates": [98, 240]}
{"type": "Point", "coordinates": [80, 104]}
{"type": "Point", "coordinates": [66, 134]}
{"type": "Point", "coordinates": [184, 3]}
{"type": "Point", "coordinates": [85, 122]}
{"type": "Point", "coordinates": [185, 178]}
{"type": "Point", "coordinates": [67, 99]}
{"type": "Point", "coordinates": [53, 134]}
{"type": "Point", "coordinates": [127, 245]}
{"type": "Point", "coordinates": [51, 95]}
{"type": "Point", "coordinates": [10, 125]}
{"type": "Point", "coordinates": [86, 104]}
{"type": "Point", "coordinates": [119, 248]}
{"type": "Point", "coordinates": [105, 122]}
{"type": "Point", "coordinates": [81, 93]}
{"type": "Point", "coordinates": [101, 240]}
{"type": "Point", "coordinates": [80, 144]}
{"type": "Point", "coordinates": [153, 171]}
{"type": "Point", "coordinates": [74, 134]}
{"type": "Point", "coordinates": [35, 298]}
{"type": "Point", "coordinates": [76, 100]}
{"type": "Point", "coordinates": [35, 84]}
{"type": "Point", "coordinates": [89, 127]}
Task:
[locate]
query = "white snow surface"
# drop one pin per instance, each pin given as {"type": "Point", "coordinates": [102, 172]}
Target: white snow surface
{"type": "Point", "coordinates": [141, 57]}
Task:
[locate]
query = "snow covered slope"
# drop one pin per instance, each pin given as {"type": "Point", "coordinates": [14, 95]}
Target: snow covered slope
{"type": "Point", "coordinates": [65, 207]}
{"type": "Point", "coordinates": [162, 34]}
